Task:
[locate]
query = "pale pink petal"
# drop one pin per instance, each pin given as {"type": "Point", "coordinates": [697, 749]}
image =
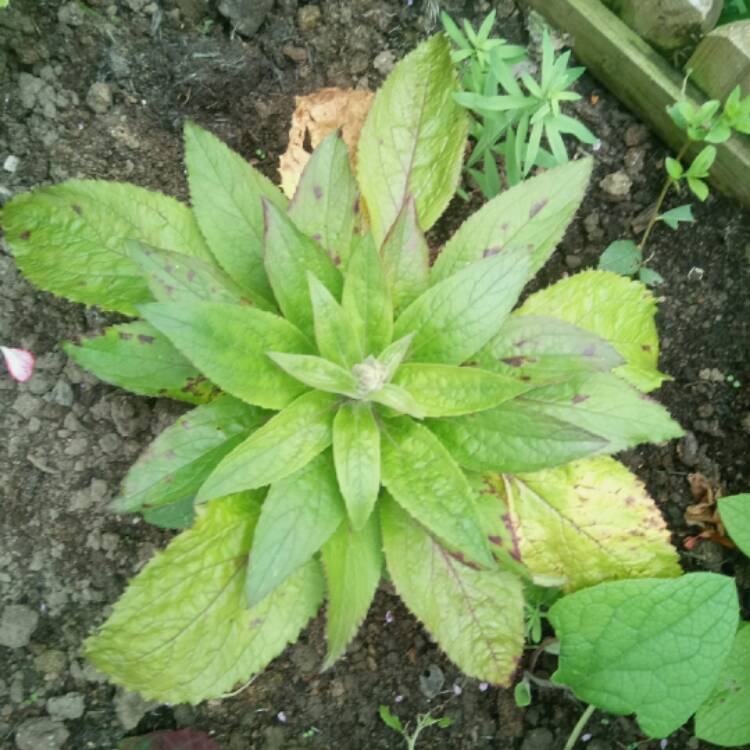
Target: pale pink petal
{"type": "Point", "coordinates": [19, 362]}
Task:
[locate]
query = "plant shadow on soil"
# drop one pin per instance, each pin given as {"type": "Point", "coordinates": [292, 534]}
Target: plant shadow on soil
{"type": "Point", "coordinates": [70, 439]}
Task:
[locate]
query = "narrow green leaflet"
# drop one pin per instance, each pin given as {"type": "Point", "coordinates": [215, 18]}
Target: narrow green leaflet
{"type": "Point", "coordinates": [413, 140]}
{"type": "Point", "coordinates": [326, 203]}
{"type": "Point", "coordinates": [406, 257]}
{"type": "Point", "coordinates": [533, 215]}
{"type": "Point", "coordinates": [587, 522]}
{"type": "Point", "coordinates": [176, 464]}
{"type": "Point", "coordinates": [394, 354]}
{"type": "Point", "coordinates": [510, 439]}
{"type": "Point", "coordinates": [448, 391]}
{"type": "Point", "coordinates": [724, 719]}
{"type": "Point", "coordinates": [137, 357]}
{"type": "Point", "coordinates": [659, 659]}
{"type": "Point", "coordinates": [290, 257]}
{"type": "Point", "coordinates": [356, 453]}
{"type": "Point", "coordinates": [397, 398]}
{"type": "Point", "coordinates": [288, 441]}
{"type": "Point", "coordinates": [735, 515]}
{"type": "Point", "coordinates": [228, 343]}
{"type": "Point", "coordinates": [334, 331]}
{"type": "Point", "coordinates": [317, 372]}
{"type": "Point", "coordinates": [475, 616]}
{"type": "Point", "coordinates": [182, 631]}
{"type": "Point", "coordinates": [353, 563]}
{"type": "Point", "coordinates": [367, 299]}
{"type": "Point", "coordinates": [455, 318]}
{"type": "Point", "coordinates": [177, 515]}
{"type": "Point", "coordinates": [226, 194]}
{"type": "Point", "coordinates": [619, 310]}
{"type": "Point", "coordinates": [424, 480]}
{"type": "Point", "coordinates": [298, 516]}
{"type": "Point", "coordinates": [58, 237]}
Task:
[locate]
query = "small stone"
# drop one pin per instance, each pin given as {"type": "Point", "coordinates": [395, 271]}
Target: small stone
{"type": "Point", "coordinates": [296, 54]}
{"type": "Point", "coordinates": [29, 87]}
{"type": "Point", "coordinates": [431, 681]}
{"type": "Point", "coordinates": [50, 662]}
{"type": "Point", "coordinates": [705, 411]}
{"type": "Point", "coordinates": [131, 708]}
{"type": "Point", "coordinates": [308, 17]}
{"type": "Point", "coordinates": [384, 62]}
{"type": "Point", "coordinates": [636, 135]}
{"type": "Point", "coordinates": [70, 14]}
{"type": "Point", "coordinates": [137, 5]}
{"type": "Point", "coordinates": [99, 97]}
{"type": "Point", "coordinates": [16, 625]}
{"type": "Point", "coordinates": [62, 394]}
{"type": "Point", "coordinates": [41, 734]}
{"type": "Point", "coordinates": [688, 450]}
{"type": "Point", "coordinates": [247, 16]}
{"type": "Point", "coordinates": [538, 739]}
{"type": "Point", "coordinates": [68, 706]}
{"type": "Point", "coordinates": [11, 164]}
{"type": "Point", "coordinates": [573, 261]}
{"type": "Point", "coordinates": [616, 184]}
{"type": "Point", "coordinates": [593, 227]}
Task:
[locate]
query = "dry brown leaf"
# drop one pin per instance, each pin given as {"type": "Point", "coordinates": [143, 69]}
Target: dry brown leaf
{"type": "Point", "coordinates": [705, 513]}
{"type": "Point", "coordinates": [316, 116]}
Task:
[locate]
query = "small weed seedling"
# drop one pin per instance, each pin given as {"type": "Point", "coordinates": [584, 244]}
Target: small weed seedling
{"type": "Point", "coordinates": [423, 721]}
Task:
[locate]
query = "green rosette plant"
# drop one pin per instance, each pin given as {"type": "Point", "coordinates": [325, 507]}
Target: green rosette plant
{"type": "Point", "coordinates": [356, 407]}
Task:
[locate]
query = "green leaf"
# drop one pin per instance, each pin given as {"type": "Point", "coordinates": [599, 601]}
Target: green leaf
{"type": "Point", "coordinates": [475, 616]}
{"type": "Point", "coordinates": [421, 155]}
{"type": "Point", "coordinates": [161, 639]}
{"type": "Point", "coordinates": [367, 299]}
{"type": "Point", "coordinates": [650, 277]}
{"type": "Point", "coordinates": [659, 659]}
{"type": "Point", "coordinates": [522, 694]}
{"type": "Point", "coordinates": [334, 331]}
{"type": "Point", "coordinates": [70, 239]}
{"type": "Point", "coordinates": [674, 168]}
{"type": "Point", "coordinates": [576, 523]}
{"type": "Point", "coordinates": [393, 355]}
{"type": "Point", "coordinates": [288, 441]}
{"type": "Point", "coordinates": [623, 257]}
{"type": "Point", "coordinates": [702, 162]}
{"type": "Point", "coordinates": [540, 350]}
{"type": "Point", "coordinates": [137, 357]}
{"type": "Point", "coordinates": [289, 257]}
{"type": "Point", "coordinates": [226, 194]}
{"type": "Point", "coordinates": [298, 516]}
{"type": "Point", "coordinates": [698, 188]}
{"type": "Point", "coordinates": [390, 719]}
{"type": "Point", "coordinates": [673, 217]}
{"type": "Point", "coordinates": [619, 310]}
{"type": "Point", "coordinates": [317, 372]}
{"type": "Point", "coordinates": [532, 215]}
{"type": "Point", "coordinates": [455, 318]}
{"type": "Point", "coordinates": [228, 343]}
{"type": "Point", "coordinates": [397, 398]}
{"type": "Point", "coordinates": [425, 480]}
{"type": "Point", "coordinates": [406, 257]}
{"type": "Point", "coordinates": [724, 719]}
{"type": "Point", "coordinates": [447, 391]}
{"type": "Point", "coordinates": [353, 562]}
{"type": "Point", "coordinates": [177, 515]}
{"type": "Point", "coordinates": [356, 453]}
{"type": "Point", "coordinates": [326, 203]}
{"type": "Point", "coordinates": [176, 464]}
{"type": "Point", "coordinates": [509, 439]}
{"type": "Point", "coordinates": [735, 515]}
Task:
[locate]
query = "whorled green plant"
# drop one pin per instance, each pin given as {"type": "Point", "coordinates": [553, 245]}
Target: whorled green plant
{"type": "Point", "coordinates": [354, 404]}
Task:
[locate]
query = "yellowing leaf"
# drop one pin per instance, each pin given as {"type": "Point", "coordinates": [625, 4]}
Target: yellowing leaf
{"type": "Point", "coordinates": [588, 522]}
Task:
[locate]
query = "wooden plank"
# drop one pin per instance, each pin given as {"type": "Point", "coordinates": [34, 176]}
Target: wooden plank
{"type": "Point", "coordinates": [643, 80]}
{"type": "Point", "coordinates": [722, 60]}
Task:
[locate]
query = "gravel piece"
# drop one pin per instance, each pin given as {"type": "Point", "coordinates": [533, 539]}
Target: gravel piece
{"type": "Point", "coordinates": [41, 734]}
{"type": "Point", "coordinates": [16, 626]}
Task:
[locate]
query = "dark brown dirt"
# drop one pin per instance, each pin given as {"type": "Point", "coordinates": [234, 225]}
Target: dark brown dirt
{"type": "Point", "coordinates": [69, 439]}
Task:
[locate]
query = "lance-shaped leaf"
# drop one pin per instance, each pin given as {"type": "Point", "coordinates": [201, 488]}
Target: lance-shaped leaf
{"type": "Point", "coordinates": [226, 194]}
{"type": "Point", "coordinates": [289, 258]}
{"type": "Point", "coordinates": [413, 140]}
{"type": "Point", "coordinates": [173, 277]}
{"type": "Point", "coordinates": [177, 515]}
{"type": "Point", "coordinates": [658, 659]}
{"type": "Point", "coordinates": [317, 372]}
{"type": "Point", "coordinates": [619, 310]}
{"type": "Point", "coordinates": [288, 441]}
{"type": "Point", "coordinates": [353, 564]}
{"type": "Point", "coordinates": [176, 464]}
{"type": "Point", "coordinates": [70, 239]}
{"type": "Point", "coordinates": [447, 390]}
{"type": "Point", "coordinates": [724, 719]}
{"type": "Point", "coordinates": [397, 398]}
{"type": "Point", "coordinates": [298, 516]}
{"type": "Point", "coordinates": [533, 215]}
{"type": "Point", "coordinates": [406, 257]}
{"type": "Point", "coordinates": [541, 350]}
{"type": "Point", "coordinates": [161, 639]}
{"type": "Point", "coordinates": [510, 438]}
{"type": "Point", "coordinates": [326, 203]}
{"type": "Point", "coordinates": [475, 616]}
{"type": "Point", "coordinates": [334, 332]}
{"type": "Point", "coordinates": [425, 480]}
{"type": "Point", "coordinates": [367, 299]}
{"type": "Point", "coordinates": [137, 357]}
{"type": "Point", "coordinates": [228, 343]}
{"type": "Point", "coordinates": [602, 404]}
{"type": "Point", "coordinates": [455, 318]}
{"type": "Point", "coordinates": [587, 522]}
{"type": "Point", "coordinates": [356, 453]}
{"type": "Point", "coordinates": [735, 515]}
{"type": "Point", "coordinates": [393, 355]}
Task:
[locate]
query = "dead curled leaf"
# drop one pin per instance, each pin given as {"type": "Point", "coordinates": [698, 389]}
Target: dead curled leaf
{"type": "Point", "coordinates": [316, 116]}
{"type": "Point", "coordinates": [705, 512]}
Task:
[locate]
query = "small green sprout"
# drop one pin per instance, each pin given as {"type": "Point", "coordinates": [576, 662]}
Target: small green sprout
{"type": "Point", "coordinates": [423, 721]}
